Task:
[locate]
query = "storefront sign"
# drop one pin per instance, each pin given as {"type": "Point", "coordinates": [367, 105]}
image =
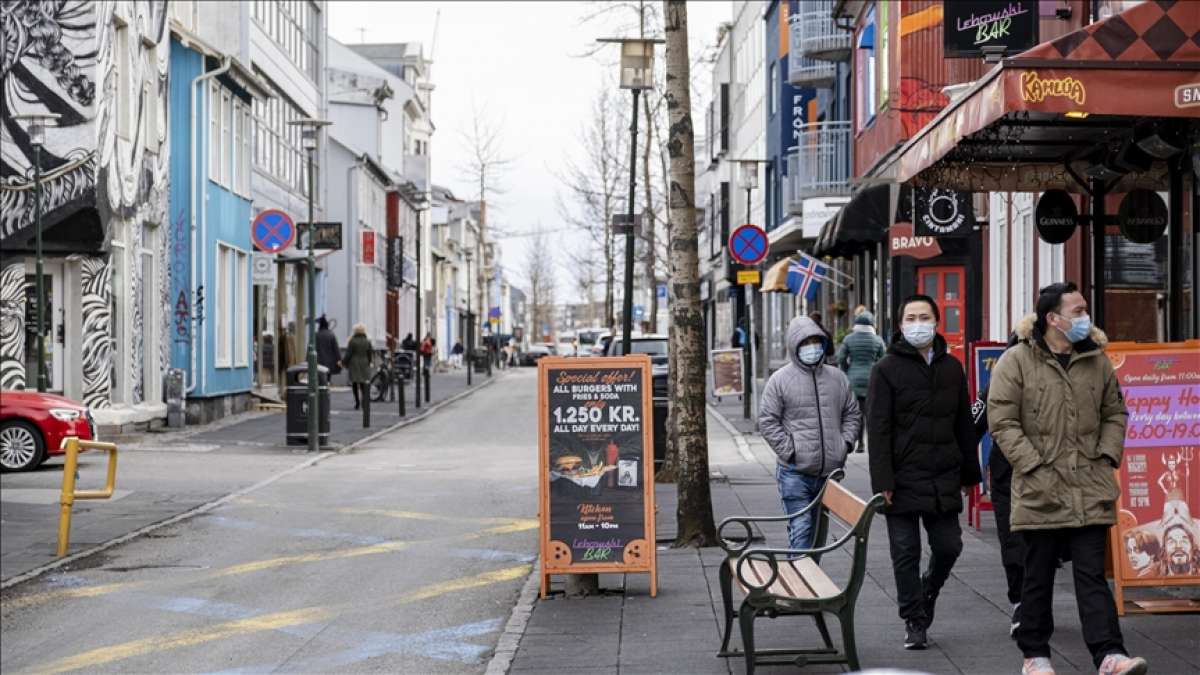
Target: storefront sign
{"type": "Point", "coordinates": [1187, 95]}
{"type": "Point", "coordinates": [1034, 89]}
{"type": "Point", "coordinates": [368, 247]}
{"type": "Point", "coordinates": [597, 467]}
{"type": "Point", "coordinates": [395, 262]}
{"type": "Point", "coordinates": [1056, 216]}
{"type": "Point", "coordinates": [1142, 216]}
{"type": "Point", "coordinates": [726, 372]}
{"type": "Point", "coordinates": [1159, 532]}
{"type": "Point", "coordinates": [902, 242]}
{"type": "Point", "coordinates": [817, 211]}
{"type": "Point", "coordinates": [938, 212]}
{"type": "Point", "coordinates": [984, 356]}
{"type": "Point", "coordinates": [326, 236]}
{"type": "Point", "coordinates": [971, 25]}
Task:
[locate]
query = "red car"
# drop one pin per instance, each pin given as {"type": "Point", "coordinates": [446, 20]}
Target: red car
{"type": "Point", "coordinates": [33, 426]}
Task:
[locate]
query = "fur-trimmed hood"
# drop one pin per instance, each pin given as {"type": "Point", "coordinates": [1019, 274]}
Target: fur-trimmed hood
{"type": "Point", "coordinates": [1025, 331]}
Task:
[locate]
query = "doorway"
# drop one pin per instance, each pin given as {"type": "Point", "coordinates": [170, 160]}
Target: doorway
{"type": "Point", "coordinates": [945, 285]}
{"type": "Point", "coordinates": [55, 318]}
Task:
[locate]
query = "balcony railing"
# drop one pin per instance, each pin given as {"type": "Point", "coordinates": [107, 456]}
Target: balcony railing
{"type": "Point", "coordinates": [817, 36]}
{"type": "Point", "coordinates": [819, 164]}
{"type": "Point", "coordinates": [806, 72]}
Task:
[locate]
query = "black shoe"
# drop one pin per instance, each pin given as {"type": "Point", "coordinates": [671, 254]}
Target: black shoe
{"type": "Point", "coordinates": [914, 635]}
{"type": "Point", "coordinates": [930, 599]}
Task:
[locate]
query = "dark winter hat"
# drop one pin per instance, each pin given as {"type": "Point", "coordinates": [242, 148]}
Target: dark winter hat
{"type": "Point", "coordinates": [864, 319]}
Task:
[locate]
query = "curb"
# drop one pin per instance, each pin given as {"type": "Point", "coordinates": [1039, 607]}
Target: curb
{"type": "Point", "coordinates": [739, 439]}
{"type": "Point", "coordinates": [220, 501]}
{"type": "Point", "coordinates": [514, 630]}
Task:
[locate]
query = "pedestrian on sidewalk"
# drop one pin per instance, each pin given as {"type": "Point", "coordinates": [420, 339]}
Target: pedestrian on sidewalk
{"type": "Point", "coordinates": [1055, 408]}
{"type": "Point", "coordinates": [921, 443]}
{"type": "Point", "coordinates": [427, 344]}
{"type": "Point", "coordinates": [456, 354]}
{"type": "Point", "coordinates": [860, 350]}
{"type": "Point", "coordinates": [810, 418]}
{"type": "Point", "coordinates": [408, 344]}
{"type": "Point", "coordinates": [359, 358]}
{"type": "Point", "coordinates": [329, 353]}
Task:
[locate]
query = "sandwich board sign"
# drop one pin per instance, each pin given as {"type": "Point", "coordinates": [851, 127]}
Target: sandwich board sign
{"type": "Point", "coordinates": [596, 467]}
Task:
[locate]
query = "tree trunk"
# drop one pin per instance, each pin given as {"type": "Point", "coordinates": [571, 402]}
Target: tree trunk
{"type": "Point", "coordinates": [648, 226]}
{"type": "Point", "coordinates": [609, 269]}
{"type": "Point", "coordinates": [694, 515]}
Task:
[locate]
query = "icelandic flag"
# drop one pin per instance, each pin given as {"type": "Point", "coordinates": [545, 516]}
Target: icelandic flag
{"type": "Point", "coordinates": [804, 277]}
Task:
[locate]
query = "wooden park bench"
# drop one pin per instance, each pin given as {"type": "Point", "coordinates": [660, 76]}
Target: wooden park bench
{"type": "Point", "coordinates": [786, 582]}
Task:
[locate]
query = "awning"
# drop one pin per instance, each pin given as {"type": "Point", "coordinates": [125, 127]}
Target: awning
{"type": "Point", "coordinates": [775, 280]}
{"type": "Point", "coordinates": [862, 223]}
{"type": "Point", "coordinates": [1089, 99]}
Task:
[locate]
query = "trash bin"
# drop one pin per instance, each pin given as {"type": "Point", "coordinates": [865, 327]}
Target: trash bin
{"type": "Point", "coordinates": [297, 405]}
{"type": "Point", "coordinates": [173, 395]}
{"type": "Point", "coordinates": [481, 361]}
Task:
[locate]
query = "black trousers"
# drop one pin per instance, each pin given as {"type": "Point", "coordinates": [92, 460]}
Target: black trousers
{"type": "Point", "coordinates": [1012, 544]}
{"type": "Point", "coordinates": [360, 387]}
{"type": "Point", "coordinates": [1097, 611]}
{"type": "Point", "coordinates": [862, 409]}
{"type": "Point", "coordinates": [904, 539]}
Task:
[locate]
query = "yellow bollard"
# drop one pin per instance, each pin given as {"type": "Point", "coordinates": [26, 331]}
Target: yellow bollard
{"type": "Point", "coordinates": [69, 495]}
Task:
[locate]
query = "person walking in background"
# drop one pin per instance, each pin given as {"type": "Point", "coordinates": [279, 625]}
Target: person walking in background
{"type": "Point", "coordinates": [408, 344]}
{"type": "Point", "coordinates": [921, 444]}
{"type": "Point", "coordinates": [857, 355]}
{"type": "Point", "coordinates": [329, 353]}
{"type": "Point", "coordinates": [1056, 410]}
{"type": "Point", "coordinates": [359, 359]}
{"type": "Point", "coordinates": [427, 344]}
{"type": "Point", "coordinates": [456, 354]}
{"type": "Point", "coordinates": [809, 416]}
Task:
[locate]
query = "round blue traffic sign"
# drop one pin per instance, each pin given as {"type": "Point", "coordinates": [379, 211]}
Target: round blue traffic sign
{"type": "Point", "coordinates": [748, 244]}
{"type": "Point", "coordinates": [273, 231]}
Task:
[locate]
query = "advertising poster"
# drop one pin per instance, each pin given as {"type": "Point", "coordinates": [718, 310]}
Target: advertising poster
{"type": "Point", "coordinates": [727, 372]}
{"type": "Point", "coordinates": [597, 466]}
{"type": "Point", "coordinates": [984, 356]}
{"type": "Point", "coordinates": [1159, 521]}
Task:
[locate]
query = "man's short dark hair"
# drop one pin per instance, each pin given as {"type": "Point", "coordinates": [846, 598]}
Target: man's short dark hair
{"type": "Point", "coordinates": [917, 297]}
{"type": "Point", "coordinates": [1050, 300]}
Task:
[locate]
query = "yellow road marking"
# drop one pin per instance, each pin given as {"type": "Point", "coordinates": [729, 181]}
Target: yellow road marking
{"type": "Point", "coordinates": [188, 638]}
{"type": "Point", "coordinates": [508, 526]}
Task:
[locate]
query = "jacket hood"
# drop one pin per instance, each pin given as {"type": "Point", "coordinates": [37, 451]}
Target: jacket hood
{"type": "Point", "coordinates": [800, 329]}
{"type": "Point", "coordinates": [1026, 330]}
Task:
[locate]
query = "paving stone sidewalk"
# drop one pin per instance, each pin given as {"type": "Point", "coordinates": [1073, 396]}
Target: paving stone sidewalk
{"type": "Point", "coordinates": [628, 632]}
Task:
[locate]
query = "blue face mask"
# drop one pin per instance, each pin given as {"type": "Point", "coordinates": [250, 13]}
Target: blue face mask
{"type": "Point", "coordinates": [1081, 326]}
{"type": "Point", "coordinates": [811, 354]}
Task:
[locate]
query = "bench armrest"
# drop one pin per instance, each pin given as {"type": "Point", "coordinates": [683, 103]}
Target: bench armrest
{"type": "Point", "coordinates": [734, 548]}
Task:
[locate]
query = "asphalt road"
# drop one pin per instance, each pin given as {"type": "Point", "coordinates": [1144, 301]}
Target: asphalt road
{"type": "Point", "coordinates": [403, 556]}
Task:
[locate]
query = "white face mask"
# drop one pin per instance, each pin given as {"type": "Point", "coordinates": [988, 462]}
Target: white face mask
{"type": "Point", "coordinates": [919, 334]}
{"type": "Point", "coordinates": [811, 354]}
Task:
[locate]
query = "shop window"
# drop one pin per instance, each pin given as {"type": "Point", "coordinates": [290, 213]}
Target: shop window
{"type": "Point", "coordinates": [230, 315]}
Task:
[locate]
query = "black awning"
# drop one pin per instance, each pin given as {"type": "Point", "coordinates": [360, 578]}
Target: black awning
{"type": "Point", "coordinates": [863, 222]}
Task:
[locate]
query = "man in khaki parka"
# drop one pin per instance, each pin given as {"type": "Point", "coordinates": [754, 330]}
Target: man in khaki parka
{"type": "Point", "coordinates": [1056, 411]}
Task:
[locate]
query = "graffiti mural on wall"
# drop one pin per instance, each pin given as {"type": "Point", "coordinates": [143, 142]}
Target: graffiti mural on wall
{"type": "Point", "coordinates": [48, 66]}
{"type": "Point", "coordinates": [12, 327]}
{"type": "Point", "coordinates": [96, 280]}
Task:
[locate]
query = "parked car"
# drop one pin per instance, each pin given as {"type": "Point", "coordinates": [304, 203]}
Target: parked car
{"type": "Point", "coordinates": [656, 346]}
{"type": "Point", "coordinates": [564, 349]}
{"type": "Point", "coordinates": [537, 350]}
{"type": "Point", "coordinates": [33, 426]}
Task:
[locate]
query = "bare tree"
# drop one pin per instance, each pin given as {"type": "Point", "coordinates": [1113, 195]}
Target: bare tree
{"type": "Point", "coordinates": [538, 270]}
{"type": "Point", "coordinates": [584, 270]}
{"type": "Point", "coordinates": [694, 514]}
{"type": "Point", "coordinates": [593, 187]}
{"type": "Point", "coordinates": [487, 162]}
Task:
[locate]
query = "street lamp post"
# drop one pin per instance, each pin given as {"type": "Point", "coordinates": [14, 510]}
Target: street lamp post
{"type": "Point", "coordinates": [470, 350]}
{"type": "Point", "coordinates": [637, 73]}
{"type": "Point", "coordinates": [310, 128]}
{"type": "Point", "coordinates": [37, 123]}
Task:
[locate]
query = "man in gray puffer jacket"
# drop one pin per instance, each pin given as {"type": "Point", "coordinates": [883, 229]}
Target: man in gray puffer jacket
{"type": "Point", "coordinates": [810, 418]}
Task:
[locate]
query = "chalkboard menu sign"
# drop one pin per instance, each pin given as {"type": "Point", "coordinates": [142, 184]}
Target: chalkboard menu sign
{"type": "Point", "coordinates": [596, 467]}
{"type": "Point", "coordinates": [971, 25]}
{"type": "Point", "coordinates": [727, 372]}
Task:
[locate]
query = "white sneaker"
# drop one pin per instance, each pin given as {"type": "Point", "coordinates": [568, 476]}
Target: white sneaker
{"type": "Point", "coordinates": [1119, 664]}
{"type": "Point", "coordinates": [1038, 665]}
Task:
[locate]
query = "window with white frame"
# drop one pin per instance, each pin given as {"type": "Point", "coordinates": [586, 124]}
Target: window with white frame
{"type": "Point", "coordinates": [214, 131]}
{"type": "Point", "coordinates": [230, 323]}
{"type": "Point", "coordinates": [294, 25]}
{"type": "Point", "coordinates": [868, 89]}
{"type": "Point", "coordinates": [278, 151]}
{"type": "Point", "coordinates": [227, 154]}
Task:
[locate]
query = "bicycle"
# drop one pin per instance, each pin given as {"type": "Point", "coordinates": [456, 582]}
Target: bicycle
{"type": "Point", "coordinates": [397, 368]}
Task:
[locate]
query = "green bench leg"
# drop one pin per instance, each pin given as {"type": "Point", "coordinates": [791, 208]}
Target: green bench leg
{"type": "Point", "coordinates": [726, 580]}
{"type": "Point", "coordinates": [846, 619]}
{"type": "Point", "coordinates": [820, 619]}
{"type": "Point", "coordinates": [746, 620]}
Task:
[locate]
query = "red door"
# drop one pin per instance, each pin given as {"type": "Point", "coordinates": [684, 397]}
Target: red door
{"type": "Point", "coordinates": [945, 285]}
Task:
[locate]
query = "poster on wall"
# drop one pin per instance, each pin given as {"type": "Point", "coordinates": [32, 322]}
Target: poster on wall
{"type": "Point", "coordinates": [1157, 538]}
{"type": "Point", "coordinates": [969, 26]}
{"type": "Point", "coordinates": [596, 467]}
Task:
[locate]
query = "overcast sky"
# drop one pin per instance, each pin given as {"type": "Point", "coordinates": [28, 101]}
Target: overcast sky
{"type": "Point", "coordinates": [518, 62]}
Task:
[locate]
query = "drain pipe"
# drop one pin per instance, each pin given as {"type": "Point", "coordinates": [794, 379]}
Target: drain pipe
{"type": "Point", "coordinates": [225, 66]}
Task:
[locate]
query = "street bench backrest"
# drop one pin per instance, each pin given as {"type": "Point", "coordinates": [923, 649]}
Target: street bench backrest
{"type": "Point", "coordinates": [842, 503]}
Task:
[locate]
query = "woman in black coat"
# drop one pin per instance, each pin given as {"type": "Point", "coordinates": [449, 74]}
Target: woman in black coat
{"type": "Point", "coordinates": [922, 457]}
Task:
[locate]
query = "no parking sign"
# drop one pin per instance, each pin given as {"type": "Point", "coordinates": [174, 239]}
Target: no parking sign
{"type": "Point", "coordinates": [273, 231]}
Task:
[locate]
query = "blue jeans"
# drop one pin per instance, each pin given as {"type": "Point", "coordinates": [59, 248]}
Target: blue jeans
{"type": "Point", "coordinates": [798, 490]}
